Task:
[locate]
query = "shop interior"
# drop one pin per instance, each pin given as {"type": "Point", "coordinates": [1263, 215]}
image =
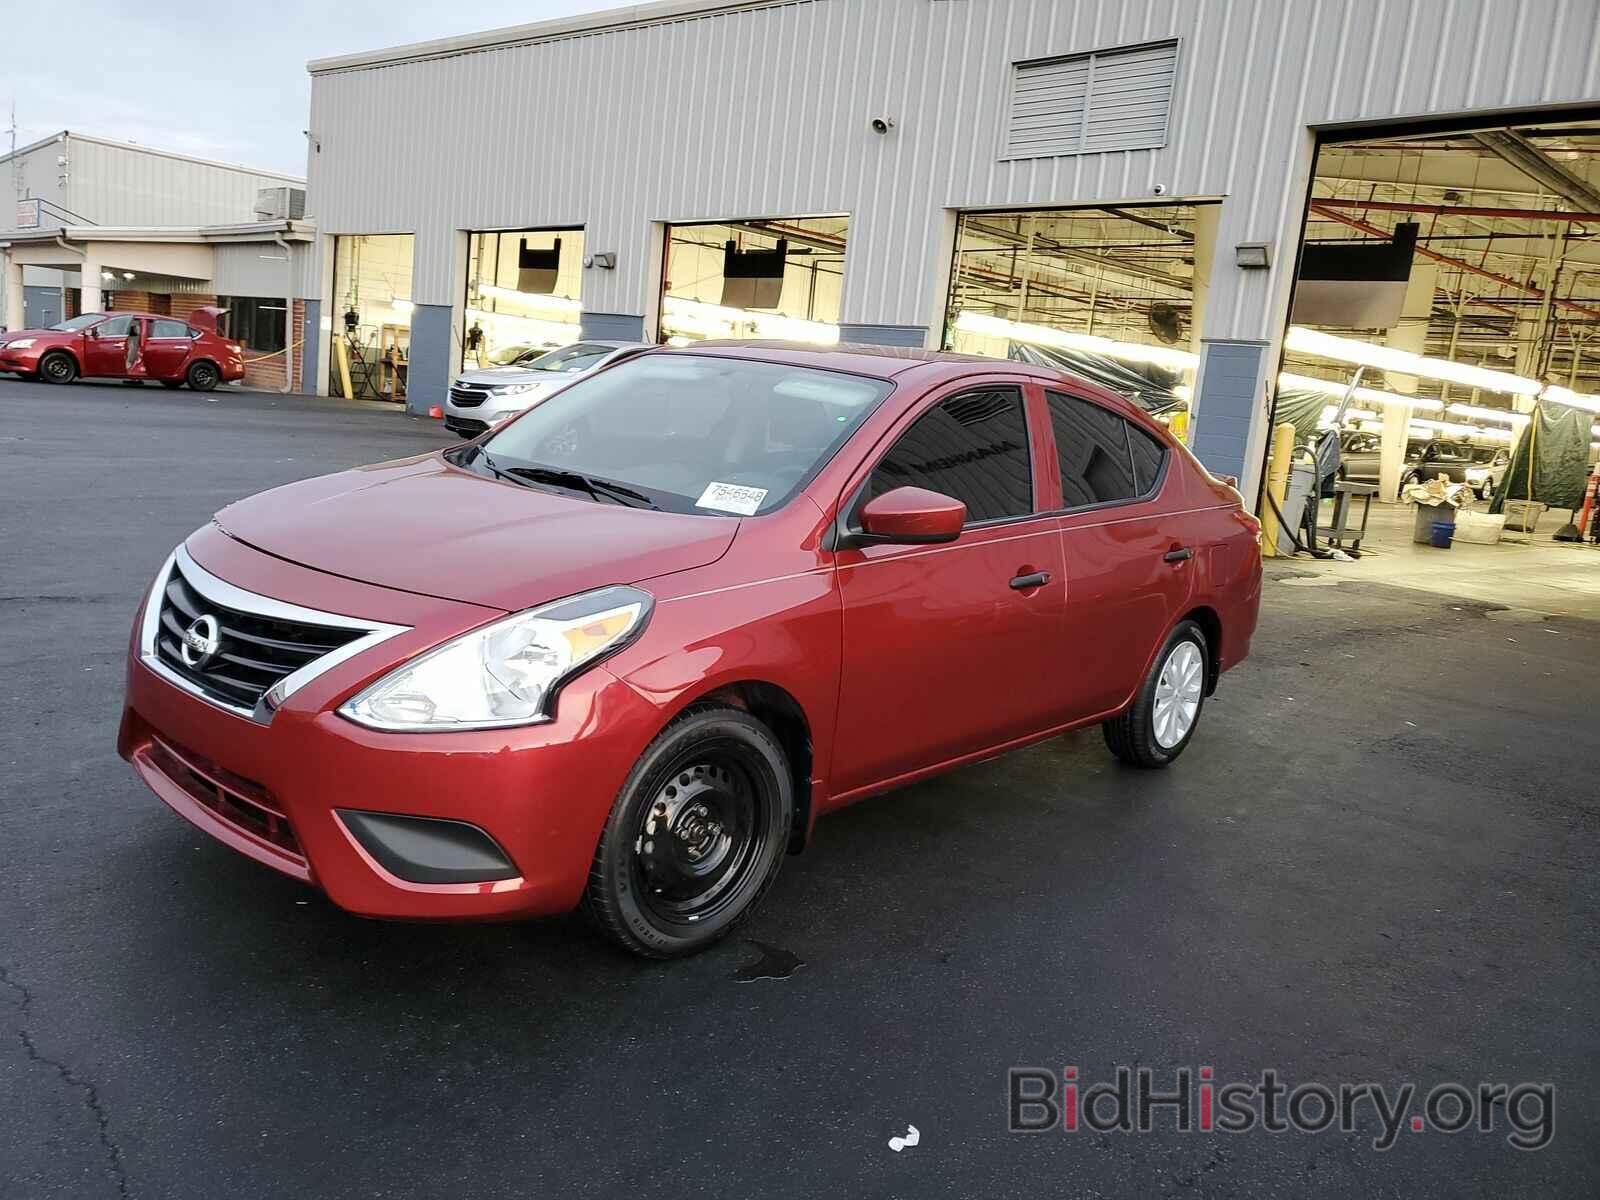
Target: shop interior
{"type": "Point", "coordinates": [768, 278]}
{"type": "Point", "coordinates": [1113, 294]}
{"type": "Point", "coordinates": [372, 310]}
{"type": "Point", "coordinates": [524, 294]}
{"type": "Point", "coordinates": [1459, 274]}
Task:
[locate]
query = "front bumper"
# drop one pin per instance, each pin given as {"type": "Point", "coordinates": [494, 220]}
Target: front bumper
{"type": "Point", "coordinates": [540, 793]}
{"type": "Point", "coordinates": [23, 362]}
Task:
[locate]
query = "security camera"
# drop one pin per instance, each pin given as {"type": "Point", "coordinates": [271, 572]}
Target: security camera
{"type": "Point", "coordinates": [1160, 189]}
{"type": "Point", "coordinates": [881, 124]}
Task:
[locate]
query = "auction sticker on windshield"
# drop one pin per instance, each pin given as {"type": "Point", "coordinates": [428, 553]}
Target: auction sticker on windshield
{"type": "Point", "coordinates": [732, 497]}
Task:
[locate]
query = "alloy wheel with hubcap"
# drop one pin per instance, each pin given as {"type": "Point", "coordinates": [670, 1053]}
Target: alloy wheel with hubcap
{"type": "Point", "coordinates": [1154, 729]}
{"type": "Point", "coordinates": [203, 376]}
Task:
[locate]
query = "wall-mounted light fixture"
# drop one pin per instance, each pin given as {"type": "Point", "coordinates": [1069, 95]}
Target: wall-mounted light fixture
{"type": "Point", "coordinates": [1252, 256]}
{"type": "Point", "coordinates": [605, 260]}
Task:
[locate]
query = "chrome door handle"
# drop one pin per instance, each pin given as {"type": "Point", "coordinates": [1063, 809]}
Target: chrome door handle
{"type": "Point", "coordinates": [1177, 556]}
{"type": "Point", "coordinates": [1023, 582]}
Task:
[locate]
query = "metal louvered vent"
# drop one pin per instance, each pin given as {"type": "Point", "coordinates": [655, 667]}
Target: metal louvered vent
{"type": "Point", "coordinates": [1091, 103]}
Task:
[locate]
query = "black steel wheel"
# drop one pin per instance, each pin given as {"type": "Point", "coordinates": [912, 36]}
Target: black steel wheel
{"type": "Point", "coordinates": [58, 367]}
{"type": "Point", "coordinates": [203, 376]}
{"type": "Point", "coordinates": [695, 838]}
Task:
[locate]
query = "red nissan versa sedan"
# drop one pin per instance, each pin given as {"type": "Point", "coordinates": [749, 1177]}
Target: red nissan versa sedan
{"type": "Point", "coordinates": [623, 650]}
{"type": "Point", "coordinates": [134, 346]}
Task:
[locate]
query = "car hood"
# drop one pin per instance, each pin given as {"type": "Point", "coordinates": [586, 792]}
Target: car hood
{"type": "Point", "coordinates": [500, 376]}
{"type": "Point", "coordinates": [424, 526]}
{"type": "Point", "coordinates": [13, 334]}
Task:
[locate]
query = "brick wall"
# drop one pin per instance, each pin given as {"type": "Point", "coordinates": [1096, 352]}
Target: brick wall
{"type": "Point", "coordinates": [119, 301]}
{"type": "Point", "coordinates": [183, 306]}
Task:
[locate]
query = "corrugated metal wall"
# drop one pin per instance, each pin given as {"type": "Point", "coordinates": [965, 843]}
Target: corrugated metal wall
{"type": "Point", "coordinates": [33, 173]}
{"type": "Point", "coordinates": [258, 269]}
{"type": "Point", "coordinates": [126, 185]}
{"type": "Point", "coordinates": [764, 112]}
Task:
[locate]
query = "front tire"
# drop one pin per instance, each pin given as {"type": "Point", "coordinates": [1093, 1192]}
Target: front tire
{"type": "Point", "coordinates": [1486, 492]}
{"type": "Point", "coordinates": [1155, 728]}
{"type": "Point", "coordinates": [58, 367]}
{"type": "Point", "coordinates": [204, 376]}
{"type": "Point", "coordinates": [696, 836]}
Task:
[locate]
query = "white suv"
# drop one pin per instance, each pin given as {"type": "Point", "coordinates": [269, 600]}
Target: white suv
{"type": "Point", "coordinates": [483, 398]}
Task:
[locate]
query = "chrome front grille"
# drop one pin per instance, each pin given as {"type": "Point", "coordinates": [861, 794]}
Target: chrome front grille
{"type": "Point", "coordinates": [240, 650]}
{"type": "Point", "coordinates": [466, 395]}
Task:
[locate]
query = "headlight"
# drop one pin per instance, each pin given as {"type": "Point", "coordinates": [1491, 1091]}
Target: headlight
{"type": "Point", "coordinates": [19, 344]}
{"type": "Point", "coordinates": [506, 673]}
{"type": "Point", "coordinates": [516, 389]}
{"type": "Point", "coordinates": [1478, 474]}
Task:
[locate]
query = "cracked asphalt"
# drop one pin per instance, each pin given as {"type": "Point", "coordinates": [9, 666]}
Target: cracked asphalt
{"type": "Point", "coordinates": [1375, 863]}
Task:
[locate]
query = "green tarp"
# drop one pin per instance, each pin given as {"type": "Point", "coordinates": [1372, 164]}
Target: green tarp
{"type": "Point", "coordinates": [1551, 461]}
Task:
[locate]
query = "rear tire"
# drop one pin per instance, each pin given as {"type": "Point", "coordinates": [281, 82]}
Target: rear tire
{"type": "Point", "coordinates": [203, 376]}
{"type": "Point", "coordinates": [1157, 726]}
{"type": "Point", "coordinates": [58, 367]}
{"type": "Point", "coordinates": [696, 836]}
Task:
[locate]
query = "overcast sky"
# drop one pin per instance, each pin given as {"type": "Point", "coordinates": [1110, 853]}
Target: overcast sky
{"type": "Point", "coordinates": [219, 79]}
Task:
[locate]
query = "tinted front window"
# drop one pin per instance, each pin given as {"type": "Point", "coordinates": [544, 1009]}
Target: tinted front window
{"type": "Point", "coordinates": [674, 426]}
{"type": "Point", "coordinates": [1093, 452]}
{"type": "Point", "coordinates": [115, 327]}
{"type": "Point", "coordinates": [973, 447]}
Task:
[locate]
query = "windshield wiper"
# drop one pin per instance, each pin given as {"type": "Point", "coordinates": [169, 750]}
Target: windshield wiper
{"type": "Point", "coordinates": [584, 483]}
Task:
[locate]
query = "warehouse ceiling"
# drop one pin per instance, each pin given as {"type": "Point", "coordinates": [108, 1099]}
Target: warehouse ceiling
{"type": "Point", "coordinates": [1508, 218]}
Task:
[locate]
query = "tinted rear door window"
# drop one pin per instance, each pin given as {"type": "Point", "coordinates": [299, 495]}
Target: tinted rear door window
{"type": "Point", "coordinates": [1093, 452]}
{"type": "Point", "coordinates": [1148, 455]}
{"type": "Point", "coordinates": [973, 447]}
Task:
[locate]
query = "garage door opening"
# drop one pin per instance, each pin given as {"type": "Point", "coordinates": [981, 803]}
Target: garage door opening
{"type": "Point", "coordinates": [764, 278]}
{"type": "Point", "coordinates": [1459, 272]}
{"type": "Point", "coordinates": [524, 294]}
{"type": "Point", "coordinates": [372, 316]}
{"type": "Point", "coordinates": [1108, 293]}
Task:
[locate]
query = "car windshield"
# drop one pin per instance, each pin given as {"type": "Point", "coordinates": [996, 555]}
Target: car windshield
{"type": "Point", "coordinates": [507, 355]}
{"type": "Point", "coordinates": [567, 359]}
{"type": "Point", "coordinates": [78, 323]}
{"type": "Point", "coordinates": [1443, 451]}
{"type": "Point", "coordinates": [1484, 454]}
{"type": "Point", "coordinates": [686, 433]}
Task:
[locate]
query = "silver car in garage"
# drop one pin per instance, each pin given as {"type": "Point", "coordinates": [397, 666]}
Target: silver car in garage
{"type": "Point", "coordinates": [483, 398]}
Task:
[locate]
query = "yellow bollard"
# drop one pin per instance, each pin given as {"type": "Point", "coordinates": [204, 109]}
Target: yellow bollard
{"type": "Point", "coordinates": [1277, 485]}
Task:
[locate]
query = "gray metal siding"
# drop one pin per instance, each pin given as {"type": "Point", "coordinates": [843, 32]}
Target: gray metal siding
{"type": "Point", "coordinates": [258, 269]}
{"type": "Point", "coordinates": [765, 111]}
{"type": "Point", "coordinates": [128, 185]}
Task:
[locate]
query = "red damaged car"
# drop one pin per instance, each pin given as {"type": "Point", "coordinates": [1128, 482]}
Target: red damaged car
{"type": "Point", "coordinates": [622, 651]}
{"type": "Point", "coordinates": [132, 346]}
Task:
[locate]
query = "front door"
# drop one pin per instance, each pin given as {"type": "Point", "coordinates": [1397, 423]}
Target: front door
{"type": "Point", "coordinates": [105, 347]}
{"type": "Point", "coordinates": [950, 649]}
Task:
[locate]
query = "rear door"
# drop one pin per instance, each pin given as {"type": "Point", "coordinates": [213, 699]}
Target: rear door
{"type": "Point", "coordinates": [166, 348]}
{"type": "Point", "coordinates": [105, 347]}
{"type": "Point", "coordinates": [949, 649]}
{"type": "Point", "coordinates": [1129, 563]}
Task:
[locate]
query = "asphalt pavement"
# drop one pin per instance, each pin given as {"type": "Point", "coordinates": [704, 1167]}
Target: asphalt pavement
{"type": "Point", "coordinates": [1375, 864]}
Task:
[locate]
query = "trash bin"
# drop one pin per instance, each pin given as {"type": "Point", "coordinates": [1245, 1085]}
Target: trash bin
{"type": "Point", "coordinates": [1522, 516]}
{"type": "Point", "coordinates": [1427, 516]}
{"type": "Point", "coordinates": [1441, 534]}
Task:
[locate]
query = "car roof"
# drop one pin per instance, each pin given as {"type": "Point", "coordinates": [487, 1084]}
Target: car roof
{"type": "Point", "coordinates": [882, 362]}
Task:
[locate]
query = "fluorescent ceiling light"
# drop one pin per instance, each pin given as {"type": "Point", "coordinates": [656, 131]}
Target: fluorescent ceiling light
{"type": "Point", "coordinates": [1489, 414]}
{"type": "Point", "coordinates": [1443, 427]}
{"type": "Point", "coordinates": [555, 333]}
{"type": "Point", "coordinates": [1183, 391]}
{"type": "Point", "coordinates": [1040, 335]}
{"type": "Point", "coordinates": [539, 300]}
{"type": "Point", "coordinates": [1561, 395]}
{"type": "Point", "coordinates": [400, 305]}
{"type": "Point", "coordinates": [1332, 387]}
{"type": "Point", "coordinates": [717, 321]}
{"type": "Point", "coordinates": [1387, 358]}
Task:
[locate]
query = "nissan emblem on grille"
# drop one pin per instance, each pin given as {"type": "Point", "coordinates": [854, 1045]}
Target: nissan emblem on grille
{"type": "Point", "coordinates": [200, 641]}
